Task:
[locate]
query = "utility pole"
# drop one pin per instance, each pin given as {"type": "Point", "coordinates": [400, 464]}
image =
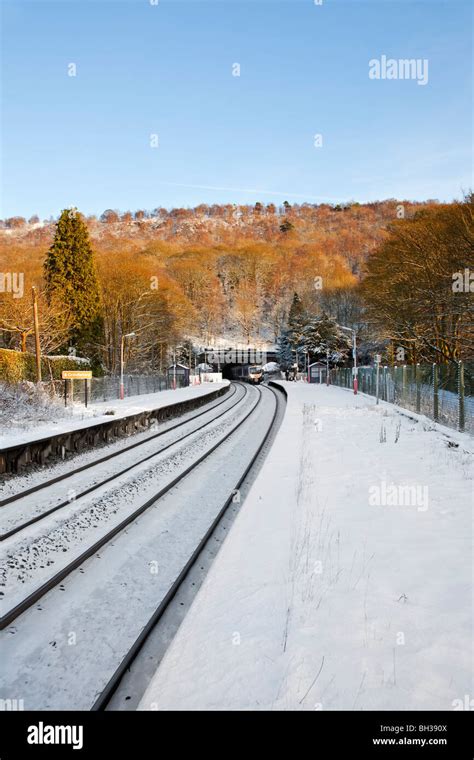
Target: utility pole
{"type": "Point", "coordinates": [354, 354]}
{"type": "Point", "coordinates": [122, 345]}
{"type": "Point", "coordinates": [354, 351]}
{"type": "Point", "coordinates": [37, 337]}
{"type": "Point", "coordinates": [378, 359]}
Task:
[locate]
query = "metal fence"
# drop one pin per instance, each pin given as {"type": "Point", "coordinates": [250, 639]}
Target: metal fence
{"type": "Point", "coordinates": [445, 393]}
{"type": "Point", "coordinates": [108, 388]}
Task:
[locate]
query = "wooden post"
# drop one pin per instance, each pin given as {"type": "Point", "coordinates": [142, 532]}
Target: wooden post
{"type": "Point", "coordinates": [37, 338]}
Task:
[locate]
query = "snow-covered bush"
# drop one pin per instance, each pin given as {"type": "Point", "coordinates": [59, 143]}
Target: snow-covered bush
{"type": "Point", "coordinates": [25, 402]}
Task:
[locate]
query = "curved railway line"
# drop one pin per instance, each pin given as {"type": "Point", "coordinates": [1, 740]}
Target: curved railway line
{"type": "Point", "coordinates": [254, 425]}
{"type": "Point", "coordinates": [107, 693]}
{"type": "Point", "coordinates": [144, 442]}
{"type": "Point", "coordinates": [37, 594]}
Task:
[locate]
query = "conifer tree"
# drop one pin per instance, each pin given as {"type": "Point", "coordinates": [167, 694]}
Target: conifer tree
{"type": "Point", "coordinates": [297, 317]}
{"type": "Point", "coordinates": [70, 277]}
{"type": "Point", "coordinates": [322, 333]}
{"type": "Point", "coordinates": [285, 353]}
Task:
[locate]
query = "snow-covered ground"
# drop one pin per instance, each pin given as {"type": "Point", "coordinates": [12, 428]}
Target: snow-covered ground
{"type": "Point", "coordinates": [54, 419]}
{"type": "Point", "coordinates": [61, 652]}
{"type": "Point", "coordinates": [346, 581]}
{"type": "Point", "coordinates": [41, 550]}
{"type": "Point", "coordinates": [25, 405]}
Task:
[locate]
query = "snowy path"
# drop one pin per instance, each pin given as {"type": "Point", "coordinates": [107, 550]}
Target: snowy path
{"type": "Point", "coordinates": [338, 587]}
{"type": "Point", "coordinates": [61, 653]}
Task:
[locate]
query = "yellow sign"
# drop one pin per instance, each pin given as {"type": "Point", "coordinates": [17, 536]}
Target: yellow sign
{"type": "Point", "coordinates": [77, 374]}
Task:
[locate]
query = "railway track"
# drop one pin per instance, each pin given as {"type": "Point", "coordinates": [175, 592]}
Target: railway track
{"type": "Point", "coordinates": [95, 463]}
{"type": "Point", "coordinates": [103, 700]}
{"type": "Point", "coordinates": [239, 429]}
{"type": "Point", "coordinates": [112, 454]}
{"type": "Point", "coordinates": [11, 615]}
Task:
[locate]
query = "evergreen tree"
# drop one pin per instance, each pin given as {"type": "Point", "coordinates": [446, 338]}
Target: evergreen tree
{"type": "Point", "coordinates": [70, 276]}
{"type": "Point", "coordinates": [285, 352]}
{"type": "Point", "coordinates": [297, 321]}
{"type": "Point", "coordinates": [322, 333]}
{"type": "Point", "coordinates": [297, 315]}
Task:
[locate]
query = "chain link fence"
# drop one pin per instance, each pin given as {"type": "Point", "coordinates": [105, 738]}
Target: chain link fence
{"type": "Point", "coordinates": [108, 388]}
{"type": "Point", "coordinates": [444, 393]}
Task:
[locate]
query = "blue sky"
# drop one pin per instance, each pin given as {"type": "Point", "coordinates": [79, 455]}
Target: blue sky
{"type": "Point", "coordinates": [167, 70]}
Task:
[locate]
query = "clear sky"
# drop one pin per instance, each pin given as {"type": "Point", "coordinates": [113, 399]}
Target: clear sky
{"type": "Point", "coordinates": [167, 70]}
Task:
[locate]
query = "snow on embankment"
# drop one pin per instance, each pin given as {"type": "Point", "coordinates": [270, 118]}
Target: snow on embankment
{"type": "Point", "coordinates": [345, 582]}
{"type": "Point", "coordinates": [48, 420]}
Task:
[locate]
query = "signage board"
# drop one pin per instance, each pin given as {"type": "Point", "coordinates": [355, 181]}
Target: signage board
{"type": "Point", "coordinates": [76, 374]}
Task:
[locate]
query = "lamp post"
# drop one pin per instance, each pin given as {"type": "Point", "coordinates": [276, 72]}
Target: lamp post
{"type": "Point", "coordinates": [122, 342]}
{"type": "Point", "coordinates": [354, 353]}
{"type": "Point", "coordinates": [174, 365]}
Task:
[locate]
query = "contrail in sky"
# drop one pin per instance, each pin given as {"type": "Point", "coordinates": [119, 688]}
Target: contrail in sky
{"type": "Point", "coordinates": [256, 191]}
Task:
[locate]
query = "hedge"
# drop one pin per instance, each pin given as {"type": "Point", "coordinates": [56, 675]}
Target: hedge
{"type": "Point", "coordinates": [16, 366]}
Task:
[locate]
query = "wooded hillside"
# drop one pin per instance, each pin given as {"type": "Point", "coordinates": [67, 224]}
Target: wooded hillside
{"type": "Point", "coordinates": [233, 270]}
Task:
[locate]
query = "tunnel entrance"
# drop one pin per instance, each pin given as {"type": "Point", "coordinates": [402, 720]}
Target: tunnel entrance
{"type": "Point", "coordinates": [227, 371]}
{"type": "Point", "coordinates": [233, 362]}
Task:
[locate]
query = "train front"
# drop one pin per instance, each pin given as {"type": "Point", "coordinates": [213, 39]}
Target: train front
{"type": "Point", "coordinates": [255, 375]}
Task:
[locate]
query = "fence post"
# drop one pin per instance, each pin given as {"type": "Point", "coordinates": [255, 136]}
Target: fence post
{"type": "Point", "coordinates": [418, 387]}
{"type": "Point", "coordinates": [404, 382]}
{"type": "Point", "coordinates": [461, 417]}
{"type": "Point", "coordinates": [435, 393]}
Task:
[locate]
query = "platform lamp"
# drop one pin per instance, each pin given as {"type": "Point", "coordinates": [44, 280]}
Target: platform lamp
{"type": "Point", "coordinates": [122, 343]}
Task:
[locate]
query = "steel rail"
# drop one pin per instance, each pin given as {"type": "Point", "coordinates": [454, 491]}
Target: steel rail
{"type": "Point", "coordinates": [58, 478]}
{"type": "Point", "coordinates": [105, 696]}
{"type": "Point", "coordinates": [66, 502]}
{"type": "Point", "coordinates": [34, 596]}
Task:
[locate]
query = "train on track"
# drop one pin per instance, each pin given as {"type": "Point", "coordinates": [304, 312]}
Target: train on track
{"type": "Point", "coordinates": [248, 373]}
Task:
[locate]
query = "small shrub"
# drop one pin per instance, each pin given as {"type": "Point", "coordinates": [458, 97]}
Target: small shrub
{"type": "Point", "coordinates": [16, 366]}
